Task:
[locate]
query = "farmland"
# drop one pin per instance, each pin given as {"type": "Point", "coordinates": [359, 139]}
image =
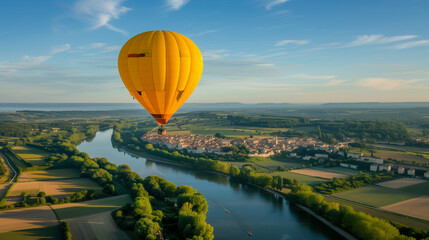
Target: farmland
{"type": "Point", "coordinates": [419, 189]}
{"type": "Point", "coordinates": [340, 170]}
{"type": "Point", "coordinates": [73, 210]}
{"type": "Point", "coordinates": [27, 218]}
{"type": "Point", "coordinates": [59, 188]}
{"type": "Point", "coordinates": [96, 226]}
{"type": "Point", "coordinates": [375, 196]}
{"type": "Point", "coordinates": [43, 233]}
{"type": "Point", "coordinates": [401, 183]}
{"type": "Point", "coordinates": [54, 174]}
{"type": "Point", "coordinates": [318, 173]}
{"type": "Point", "coordinates": [33, 155]}
{"type": "Point", "coordinates": [416, 207]}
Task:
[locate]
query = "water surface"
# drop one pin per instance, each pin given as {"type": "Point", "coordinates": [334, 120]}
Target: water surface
{"type": "Point", "coordinates": [251, 209]}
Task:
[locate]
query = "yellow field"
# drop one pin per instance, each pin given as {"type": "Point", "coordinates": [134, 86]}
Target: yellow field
{"type": "Point", "coordinates": [32, 155]}
{"type": "Point", "coordinates": [59, 189]}
{"type": "Point", "coordinates": [318, 173]}
{"type": "Point", "coordinates": [401, 182]}
{"type": "Point", "coordinates": [416, 207]}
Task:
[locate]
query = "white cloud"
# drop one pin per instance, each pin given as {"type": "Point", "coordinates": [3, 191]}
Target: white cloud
{"type": "Point", "coordinates": [91, 46]}
{"type": "Point", "coordinates": [411, 44]}
{"type": "Point", "coordinates": [214, 54]}
{"type": "Point", "coordinates": [378, 39]}
{"type": "Point", "coordinates": [36, 60]}
{"type": "Point", "coordinates": [295, 42]}
{"type": "Point", "coordinates": [386, 84]}
{"type": "Point", "coordinates": [273, 3]}
{"type": "Point", "coordinates": [176, 4]}
{"type": "Point", "coordinates": [307, 76]}
{"type": "Point", "coordinates": [202, 33]}
{"type": "Point", "coordinates": [100, 12]}
{"type": "Point", "coordinates": [334, 82]}
{"type": "Point", "coordinates": [59, 49]}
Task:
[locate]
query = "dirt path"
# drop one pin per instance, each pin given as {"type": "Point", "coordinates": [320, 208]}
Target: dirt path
{"type": "Point", "coordinates": [26, 218]}
{"type": "Point", "coordinates": [96, 226]}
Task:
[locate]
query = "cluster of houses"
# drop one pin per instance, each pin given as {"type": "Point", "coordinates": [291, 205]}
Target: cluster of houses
{"type": "Point", "coordinates": [263, 147]}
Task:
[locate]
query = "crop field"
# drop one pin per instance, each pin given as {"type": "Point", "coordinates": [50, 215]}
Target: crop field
{"type": "Point", "coordinates": [27, 218]}
{"type": "Point", "coordinates": [340, 170]}
{"type": "Point", "coordinates": [73, 210]}
{"type": "Point", "coordinates": [318, 173]}
{"type": "Point", "coordinates": [404, 148]}
{"type": "Point", "coordinates": [416, 207]}
{"type": "Point", "coordinates": [96, 226]}
{"type": "Point", "coordinates": [419, 189]}
{"type": "Point", "coordinates": [32, 155]}
{"type": "Point", "coordinates": [301, 178]}
{"type": "Point", "coordinates": [59, 188]}
{"type": "Point", "coordinates": [375, 196]}
{"type": "Point", "coordinates": [42, 233]}
{"type": "Point", "coordinates": [401, 182]}
{"type": "Point", "coordinates": [376, 212]}
{"type": "Point", "coordinates": [54, 174]}
{"type": "Point", "coordinates": [407, 157]}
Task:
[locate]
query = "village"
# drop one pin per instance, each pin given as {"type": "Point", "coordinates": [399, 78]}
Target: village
{"type": "Point", "coordinates": [265, 147]}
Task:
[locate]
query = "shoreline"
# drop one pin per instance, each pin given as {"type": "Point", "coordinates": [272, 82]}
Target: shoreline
{"type": "Point", "coordinates": [338, 230]}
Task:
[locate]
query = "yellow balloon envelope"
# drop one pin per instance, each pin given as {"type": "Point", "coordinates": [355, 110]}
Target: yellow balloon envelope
{"type": "Point", "coordinates": [160, 69]}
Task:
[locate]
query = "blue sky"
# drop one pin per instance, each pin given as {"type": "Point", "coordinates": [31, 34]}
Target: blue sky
{"type": "Point", "coordinates": [254, 50]}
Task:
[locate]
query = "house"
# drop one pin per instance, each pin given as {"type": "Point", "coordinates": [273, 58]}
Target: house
{"type": "Point", "coordinates": [293, 154]}
{"type": "Point", "coordinates": [387, 167]}
{"type": "Point", "coordinates": [401, 170]}
{"type": "Point", "coordinates": [427, 174]}
{"type": "Point", "coordinates": [318, 155]}
{"type": "Point", "coordinates": [373, 167]}
{"type": "Point", "coordinates": [353, 166]}
{"type": "Point", "coordinates": [344, 165]}
{"type": "Point", "coordinates": [306, 158]}
{"type": "Point", "coordinates": [411, 172]}
{"type": "Point", "coordinates": [341, 153]}
{"type": "Point", "coordinates": [354, 155]}
{"type": "Point", "coordinates": [373, 160]}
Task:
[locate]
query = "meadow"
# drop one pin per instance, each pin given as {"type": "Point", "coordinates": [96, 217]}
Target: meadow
{"type": "Point", "coordinates": [33, 155]}
{"type": "Point", "coordinates": [375, 196]}
{"type": "Point", "coordinates": [53, 174]}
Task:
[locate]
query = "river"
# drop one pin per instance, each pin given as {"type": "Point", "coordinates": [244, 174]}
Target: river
{"type": "Point", "coordinates": [250, 208]}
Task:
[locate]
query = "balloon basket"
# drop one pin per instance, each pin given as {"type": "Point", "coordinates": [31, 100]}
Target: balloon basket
{"type": "Point", "coordinates": [162, 130]}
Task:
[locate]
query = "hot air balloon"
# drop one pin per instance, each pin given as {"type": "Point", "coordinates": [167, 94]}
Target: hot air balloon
{"type": "Point", "coordinates": [160, 69]}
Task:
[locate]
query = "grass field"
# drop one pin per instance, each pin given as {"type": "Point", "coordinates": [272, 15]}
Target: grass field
{"type": "Point", "coordinates": [419, 189]}
{"type": "Point", "coordinates": [375, 196]}
{"type": "Point", "coordinates": [340, 170]}
{"type": "Point", "coordinates": [73, 210]}
{"type": "Point", "coordinates": [317, 173]}
{"type": "Point", "coordinates": [302, 178]}
{"type": "Point", "coordinates": [389, 216]}
{"type": "Point", "coordinates": [44, 233]}
{"type": "Point", "coordinates": [96, 226]}
{"type": "Point", "coordinates": [401, 183]}
{"type": "Point", "coordinates": [54, 174]}
{"type": "Point", "coordinates": [32, 155]}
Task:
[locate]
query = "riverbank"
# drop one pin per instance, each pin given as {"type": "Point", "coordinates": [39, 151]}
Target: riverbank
{"type": "Point", "coordinates": [154, 158]}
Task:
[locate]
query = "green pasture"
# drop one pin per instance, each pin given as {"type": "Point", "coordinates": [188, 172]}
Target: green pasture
{"type": "Point", "coordinates": [32, 155]}
{"type": "Point", "coordinates": [340, 170]}
{"type": "Point", "coordinates": [419, 189]}
{"type": "Point", "coordinates": [45, 233]}
{"type": "Point", "coordinates": [91, 207]}
{"type": "Point", "coordinates": [81, 184]}
{"type": "Point", "coordinates": [54, 174]}
{"type": "Point", "coordinates": [375, 196]}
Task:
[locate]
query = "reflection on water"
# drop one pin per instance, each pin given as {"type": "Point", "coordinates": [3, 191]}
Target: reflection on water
{"type": "Point", "coordinates": [234, 208]}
